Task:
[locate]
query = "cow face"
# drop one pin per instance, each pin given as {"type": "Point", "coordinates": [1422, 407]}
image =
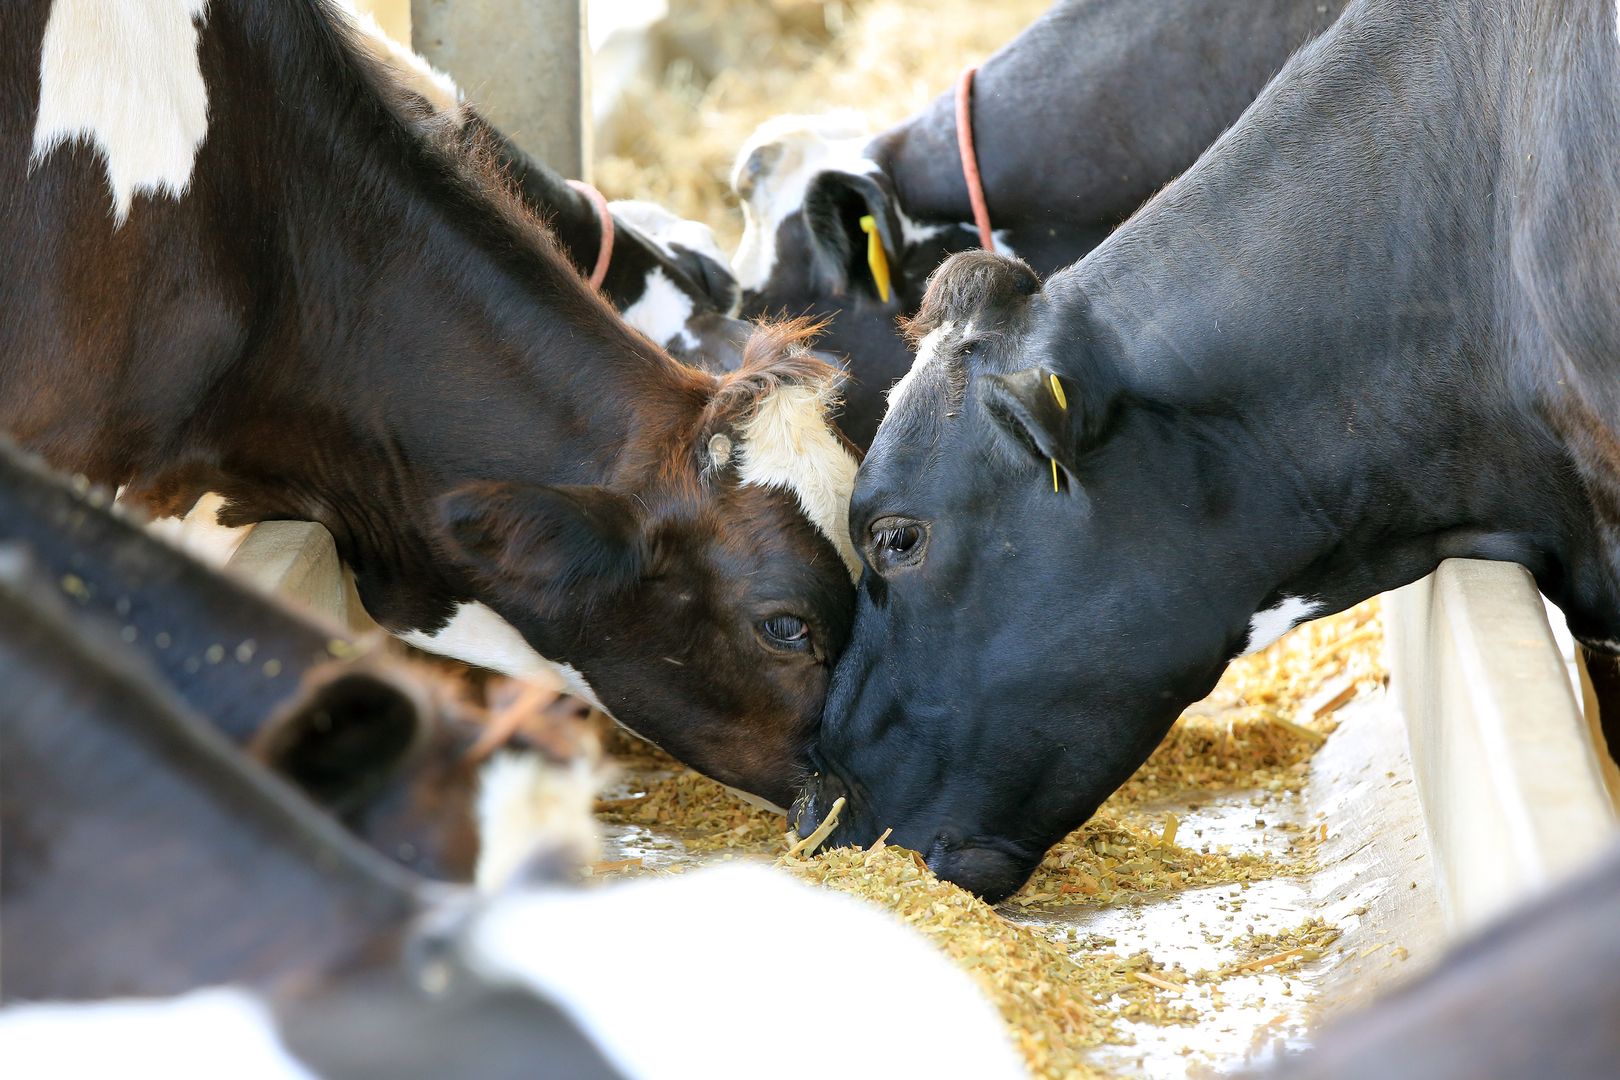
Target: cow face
{"type": "Point", "coordinates": [724, 557]}
{"type": "Point", "coordinates": [806, 185]}
{"type": "Point", "coordinates": [1035, 609]}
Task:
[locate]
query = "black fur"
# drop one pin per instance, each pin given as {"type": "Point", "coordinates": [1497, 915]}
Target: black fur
{"type": "Point", "coordinates": [1329, 356]}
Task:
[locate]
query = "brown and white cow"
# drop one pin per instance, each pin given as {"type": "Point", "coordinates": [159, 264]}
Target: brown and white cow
{"type": "Point", "coordinates": [239, 262]}
{"type": "Point", "coordinates": [394, 753]}
{"type": "Point", "coordinates": [146, 858]}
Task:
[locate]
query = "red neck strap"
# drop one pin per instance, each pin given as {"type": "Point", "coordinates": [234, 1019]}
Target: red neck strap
{"type": "Point", "coordinates": [604, 254]}
{"type": "Point", "coordinates": [970, 159]}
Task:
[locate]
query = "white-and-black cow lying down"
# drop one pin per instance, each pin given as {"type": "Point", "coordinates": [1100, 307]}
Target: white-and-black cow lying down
{"type": "Point", "coordinates": [1075, 122]}
{"type": "Point", "coordinates": [241, 262]}
{"type": "Point", "coordinates": [666, 275]}
{"type": "Point", "coordinates": [377, 742]}
{"type": "Point", "coordinates": [1536, 994]}
{"type": "Point", "coordinates": [145, 857]}
{"type": "Point", "coordinates": [1374, 327]}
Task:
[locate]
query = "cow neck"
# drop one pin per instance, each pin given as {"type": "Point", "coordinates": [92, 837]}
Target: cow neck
{"type": "Point", "coordinates": [1058, 173]}
{"type": "Point", "coordinates": [421, 333]}
{"type": "Point", "coordinates": [922, 158]}
{"type": "Point", "coordinates": [1352, 378]}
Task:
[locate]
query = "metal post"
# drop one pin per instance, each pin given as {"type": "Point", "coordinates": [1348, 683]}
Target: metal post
{"type": "Point", "coordinates": [521, 64]}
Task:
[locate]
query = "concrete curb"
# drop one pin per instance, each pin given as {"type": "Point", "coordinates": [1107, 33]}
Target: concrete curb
{"type": "Point", "coordinates": [1510, 784]}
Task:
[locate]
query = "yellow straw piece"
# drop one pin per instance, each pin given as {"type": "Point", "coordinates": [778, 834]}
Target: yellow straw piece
{"type": "Point", "coordinates": [1057, 392]}
{"type": "Point", "coordinates": [876, 257]}
{"type": "Point", "coordinates": [1054, 475]}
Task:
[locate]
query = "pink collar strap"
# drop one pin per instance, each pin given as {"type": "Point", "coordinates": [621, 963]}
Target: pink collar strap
{"type": "Point", "coordinates": [970, 158]}
{"type": "Point", "coordinates": [604, 216]}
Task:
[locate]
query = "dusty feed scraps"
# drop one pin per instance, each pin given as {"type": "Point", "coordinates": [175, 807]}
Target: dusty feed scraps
{"type": "Point", "coordinates": [1064, 994]}
{"type": "Point", "coordinates": [726, 66]}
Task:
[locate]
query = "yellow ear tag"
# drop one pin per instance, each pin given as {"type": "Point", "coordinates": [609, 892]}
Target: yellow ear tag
{"type": "Point", "coordinates": [876, 257]}
{"type": "Point", "coordinates": [1063, 403]}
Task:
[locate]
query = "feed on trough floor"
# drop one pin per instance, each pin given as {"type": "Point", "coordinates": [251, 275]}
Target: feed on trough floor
{"type": "Point", "coordinates": [1066, 994]}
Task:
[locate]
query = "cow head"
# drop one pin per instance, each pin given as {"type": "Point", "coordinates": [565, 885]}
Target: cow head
{"type": "Point", "coordinates": [401, 761]}
{"type": "Point", "coordinates": [676, 285]}
{"type": "Point", "coordinates": [720, 550]}
{"type": "Point", "coordinates": [374, 747]}
{"type": "Point", "coordinates": [806, 183]}
{"type": "Point", "coordinates": [1038, 603]}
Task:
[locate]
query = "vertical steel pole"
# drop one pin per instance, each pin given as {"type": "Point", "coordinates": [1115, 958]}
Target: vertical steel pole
{"type": "Point", "coordinates": [522, 64]}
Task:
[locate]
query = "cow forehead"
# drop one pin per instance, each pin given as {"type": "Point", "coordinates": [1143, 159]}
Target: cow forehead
{"type": "Point", "coordinates": [798, 147]}
{"type": "Point", "coordinates": [929, 393]}
{"type": "Point", "coordinates": [788, 444]}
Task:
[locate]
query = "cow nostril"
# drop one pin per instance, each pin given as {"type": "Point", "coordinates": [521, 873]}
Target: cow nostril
{"type": "Point", "coordinates": [813, 804]}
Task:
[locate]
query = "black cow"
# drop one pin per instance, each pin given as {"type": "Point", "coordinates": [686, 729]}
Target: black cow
{"type": "Point", "coordinates": [1373, 328]}
{"type": "Point", "coordinates": [244, 260]}
{"type": "Point", "coordinates": [1076, 121]}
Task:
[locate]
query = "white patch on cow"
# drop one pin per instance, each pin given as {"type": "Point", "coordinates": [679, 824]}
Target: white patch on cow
{"type": "Point", "coordinates": [912, 232]}
{"type": "Point", "coordinates": [787, 443]}
{"type": "Point", "coordinates": [804, 146]}
{"type": "Point", "coordinates": [662, 311]}
{"type": "Point", "coordinates": [125, 78]}
{"type": "Point", "coordinates": [1003, 245]}
{"type": "Point", "coordinates": [199, 534]}
{"type": "Point", "coordinates": [201, 1035]}
{"type": "Point", "coordinates": [1269, 625]}
{"type": "Point", "coordinates": [927, 350]}
{"type": "Point", "coordinates": [476, 635]}
{"type": "Point", "coordinates": [573, 948]}
{"type": "Point", "coordinates": [527, 805]}
{"type": "Point", "coordinates": [412, 70]}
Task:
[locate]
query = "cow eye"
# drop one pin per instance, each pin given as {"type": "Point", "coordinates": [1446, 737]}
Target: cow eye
{"type": "Point", "coordinates": [896, 542]}
{"type": "Point", "coordinates": [786, 632]}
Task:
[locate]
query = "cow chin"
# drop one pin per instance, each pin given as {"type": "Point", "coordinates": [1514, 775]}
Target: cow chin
{"type": "Point", "coordinates": [992, 873]}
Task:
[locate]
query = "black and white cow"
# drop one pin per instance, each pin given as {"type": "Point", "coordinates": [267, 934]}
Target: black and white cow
{"type": "Point", "coordinates": [1076, 121]}
{"type": "Point", "coordinates": [1372, 328]}
{"type": "Point", "coordinates": [243, 260]}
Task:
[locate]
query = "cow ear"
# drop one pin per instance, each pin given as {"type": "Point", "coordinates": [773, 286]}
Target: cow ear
{"type": "Point", "coordinates": [560, 542]}
{"type": "Point", "coordinates": [855, 234]}
{"type": "Point", "coordinates": [343, 736]}
{"type": "Point", "coordinates": [1039, 412]}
